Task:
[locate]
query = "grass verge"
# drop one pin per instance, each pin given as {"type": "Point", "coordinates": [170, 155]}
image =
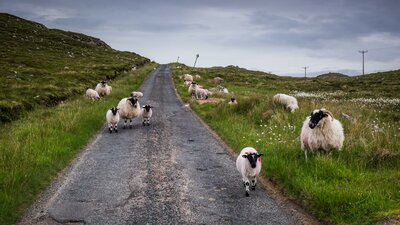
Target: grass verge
{"type": "Point", "coordinates": [358, 185]}
{"type": "Point", "coordinates": [36, 148]}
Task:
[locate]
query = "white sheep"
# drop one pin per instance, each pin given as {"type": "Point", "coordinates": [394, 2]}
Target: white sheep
{"type": "Point", "coordinates": [187, 77]}
{"type": "Point", "coordinates": [187, 83]}
{"type": "Point", "coordinates": [136, 94]}
{"type": "Point", "coordinates": [112, 117]}
{"type": "Point", "coordinates": [129, 108]}
{"type": "Point", "coordinates": [248, 163]}
{"type": "Point", "coordinates": [288, 101]}
{"type": "Point", "coordinates": [201, 93]}
{"type": "Point", "coordinates": [103, 88]}
{"type": "Point", "coordinates": [321, 131]}
{"type": "Point", "coordinates": [197, 76]}
{"type": "Point", "coordinates": [92, 94]}
{"type": "Point", "coordinates": [147, 112]}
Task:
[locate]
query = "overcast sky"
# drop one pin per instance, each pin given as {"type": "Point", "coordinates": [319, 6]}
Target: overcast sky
{"type": "Point", "coordinates": [273, 36]}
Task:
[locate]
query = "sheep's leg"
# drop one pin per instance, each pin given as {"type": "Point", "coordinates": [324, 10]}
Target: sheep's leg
{"type": "Point", "coordinates": [116, 128]}
{"type": "Point", "coordinates": [148, 122]}
{"type": "Point", "coordinates": [247, 185]}
{"type": "Point", "coordinates": [130, 123]}
{"type": "Point", "coordinates": [253, 184]}
{"type": "Point", "coordinates": [125, 123]}
{"type": "Point", "coordinates": [144, 122]}
{"type": "Point", "coordinates": [110, 127]}
{"type": "Point", "coordinates": [305, 153]}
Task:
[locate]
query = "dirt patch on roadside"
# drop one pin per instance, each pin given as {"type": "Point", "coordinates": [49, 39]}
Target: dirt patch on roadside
{"type": "Point", "coordinates": [211, 101]}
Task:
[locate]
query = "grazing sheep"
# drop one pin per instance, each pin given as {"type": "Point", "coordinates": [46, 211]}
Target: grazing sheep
{"type": "Point", "coordinates": [192, 89]}
{"type": "Point", "coordinates": [129, 108]}
{"type": "Point", "coordinates": [288, 101]}
{"type": "Point", "coordinates": [201, 93]}
{"type": "Point", "coordinates": [112, 117]}
{"type": "Point", "coordinates": [197, 76]}
{"type": "Point", "coordinates": [147, 112]}
{"type": "Point", "coordinates": [248, 163]}
{"type": "Point", "coordinates": [136, 94]}
{"type": "Point", "coordinates": [225, 91]}
{"type": "Point", "coordinates": [321, 131]}
{"type": "Point", "coordinates": [187, 77]}
{"type": "Point", "coordinates": [92, 94]}
{"type": "Point", "coordinates": [103, 88]}
{"type": "Point", "coordinates": [232, 101]}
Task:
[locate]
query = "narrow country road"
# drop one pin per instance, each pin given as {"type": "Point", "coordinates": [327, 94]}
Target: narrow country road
{"type": "Point", "coordinates": [172, 172]}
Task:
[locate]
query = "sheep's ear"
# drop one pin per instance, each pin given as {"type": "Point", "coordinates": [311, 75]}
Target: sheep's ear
{"type": "Point", "coordinates": [245, 156]}
{"type": "Point", "coordinates": [326, 112]}
{"type": "Point", "coordinates": [260, 155]}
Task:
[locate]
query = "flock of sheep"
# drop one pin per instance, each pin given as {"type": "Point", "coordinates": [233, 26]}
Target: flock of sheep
{"type": "Point", "coordinates": [320, 131]}
{"type": "Point", "coordinates": [127, 109]}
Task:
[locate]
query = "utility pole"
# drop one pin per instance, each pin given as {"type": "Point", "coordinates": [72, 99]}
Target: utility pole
{"type": "Point", "coordinates": [305, 71]}
{"type": "Point", "coordinates": [363, 52]}
{"type": "Point", "coordinates": [177, 60]}
{"type": "Point", "coordinates": [197, 56]}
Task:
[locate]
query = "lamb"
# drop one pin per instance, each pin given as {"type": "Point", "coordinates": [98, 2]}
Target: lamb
{"type": "Point", "coordinates": [112, 117]}
{"type": "Point", "coordinates": [129, 108]}
{"type": "Point", "coordinates": [321, 131]}
{"type": "Point", "coordinates": [147, 112]}
{"type": "Point", "coordinates": [248, 163]}
{"type": "Point", "coordinates": [90, 93]}
{"type": "Point", "coordinates": [103, 88]}
{"type": "Point", "coordinates": [136, 94]}
{"type": "Point", "coordinates": [288, 101]}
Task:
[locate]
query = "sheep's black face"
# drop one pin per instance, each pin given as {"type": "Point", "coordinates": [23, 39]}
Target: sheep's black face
{"type": "Point", "coordinates": [316, 116]}
{"type": "Point", "coordinates": [233, 99]}
{"type": "Point", "coordinates": [147, 107]}
{"type": "Point", "coordinates": [253, 157]}
{"type": "Point", "coordinates": [133, 101]}
{"type": "Point", "coordinates": [114, 111]}
{"type": "Point", "coordinates": [103, 83]}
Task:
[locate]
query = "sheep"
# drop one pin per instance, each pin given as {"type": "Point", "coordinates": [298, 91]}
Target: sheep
{"type": "Point", "coordinates": [232, 101]}
{"type": "Point", "coordinates": [187, 77]}
{"type": "Point", "coordinates": [192, 89]}
{"type": "Point", "coordinates": [197, 76]}
{"type": "Point", "coordinates": [103, 88]}
{"type": "Point", "coordinates": [248, 163]}
{"type": "Point", "coordinates": [288, 101]}
{"type": "Point", "coordinates": [225, 91]}
{"type": "Point", "coordinates": [201, 93]}
{"type": "Point", "coordinates": [90, 93]}
{"type": "Point", "coordinates": [112, 117]}
{"type": "Point", "coordinates": [136, 94]}
{"type": "Point", "coordinates": [147, 112]}
{"type": "Point", "coordinates": [187, 83]}
{"type": "Point", "coordinates": [321, 131]}
{"type": "Point", "coordinates": [129, 108]}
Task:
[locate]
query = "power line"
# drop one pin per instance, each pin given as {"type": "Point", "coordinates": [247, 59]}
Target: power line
{"type": "Point", "coordinates": [363, 52]}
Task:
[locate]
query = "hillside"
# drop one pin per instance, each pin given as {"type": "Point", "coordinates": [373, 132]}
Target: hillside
{"type": "Point", "coordinates": [42, 67]}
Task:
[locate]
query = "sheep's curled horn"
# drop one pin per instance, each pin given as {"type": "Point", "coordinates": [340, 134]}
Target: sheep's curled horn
{"type": "Point", "coordinates": [328, 112]}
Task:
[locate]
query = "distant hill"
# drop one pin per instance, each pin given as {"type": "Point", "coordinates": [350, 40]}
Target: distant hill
{"type": "Point", "coordinates": [332, 75]}
{"type": "Point", "coordinates": [41, 66]}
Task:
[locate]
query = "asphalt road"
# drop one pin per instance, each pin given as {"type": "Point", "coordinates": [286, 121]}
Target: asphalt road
{"type": "Point", "coordinates": [172, 172]}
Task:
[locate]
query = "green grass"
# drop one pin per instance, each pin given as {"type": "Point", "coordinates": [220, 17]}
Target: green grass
{"type": "Point", "coordinates": [42, 67]}
{"type": "Point", "coordinates": [358, 185]}
{"type": "Point", "coordinates": [34, 149]}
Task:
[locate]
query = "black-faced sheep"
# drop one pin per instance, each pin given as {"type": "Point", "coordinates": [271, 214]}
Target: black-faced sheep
{"type": "Point", "coordinates": [129, 108]}
{"type": "Point", "coordinates": [248, 163]}
{"type": "Point", "coordinates": [112, 117]}
{"type": "Point", "coordinates": [147, 112]}
{"type": "Point", "coordinates": [321, 131]}
{"type": "Point", "coordinates": [103, 88]}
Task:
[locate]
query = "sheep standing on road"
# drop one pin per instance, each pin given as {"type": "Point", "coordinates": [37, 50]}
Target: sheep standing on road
{"type": "Point", "coordinates": [92, 94]}
{"type": "Point", "coordinates": [321, 131]}
{"type": "Point", "coordinates": [288, 101]}
{"type": "Point", "coordinates": [147, 112]}
{"type": "Point", "coordinates": [112, 117]}
{"type": "Point", "coordinates": [103, 88]}
{"type": "Point", "coordinates": [248, 163]}
{"type": "Point", "coordinates": [136, 94]}
{"type": "Point", "coordinates": [129, 108]}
